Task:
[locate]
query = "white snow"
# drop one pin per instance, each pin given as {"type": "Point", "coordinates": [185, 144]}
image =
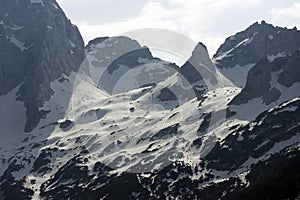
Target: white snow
{"type": "Point", "coordinates": [17, 43]}
{"type": "Point", "coordinates": [249, 110]}
{"type": "Point", "coordinates": [289, 109]}
{"type": "Point", "coordinates": [108, 129]}
{"type": "Point", "coordinates": [37, 1]}
{"type": "Point", "coordinates": [232, 38]}
{"type": "Point", "coordinates": [271, 58]}
{"type": "Point", "coordinates": [285, 104]}
{"type": "Point", "coordinates": [253, 107]}
{"type": "Point", "coordinates": [55, 6]}
{"type": "Point", "coordinates": [245, 42]}
{"type": "Point", "coordinates": [238, 74]}
{"type": "Point", "coordinates": [262, 144]}
{"type": "Point", "coordinates": [249, 40]}
{"type": "Point", "coordinates": [12, 27]}
{"type": "Point", "coordinates": [240, 138]}
{"type": "Point", "coordinates": [12, 111]}
{"type": "Point", "coordinates": [72, 44]}
{"type": "Point", "coordinates": [12, 123]}
{"type": "Point", "coordinates": [49, 28]}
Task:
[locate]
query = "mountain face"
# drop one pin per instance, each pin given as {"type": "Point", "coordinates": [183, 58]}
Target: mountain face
{"type": "Point", "coordinates": [199, 66]}
{"type": "Point", "coordinates": [270, 80]}
{"type": "Point", "coordinates": [110, 121]}
{"type": "Point", "coordinates": [38, 45]}
{"type": "Point", "coordinates": [243, 50]}
{"type": "Point", "coordinates": [197, 76]}
{"type": "Point", "coordinates": [120, 64]}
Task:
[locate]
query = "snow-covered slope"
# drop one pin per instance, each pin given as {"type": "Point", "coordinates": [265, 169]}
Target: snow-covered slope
{"type": "Point", "coordinates": [126, 131]}
{"type": "Point", "coordinates": [269, 83]}
{"type": "Point", "coordinates": [125, 125]}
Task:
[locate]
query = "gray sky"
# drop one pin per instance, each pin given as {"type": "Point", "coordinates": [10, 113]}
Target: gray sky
{"type": "Point", "coordinates": [202, 20]}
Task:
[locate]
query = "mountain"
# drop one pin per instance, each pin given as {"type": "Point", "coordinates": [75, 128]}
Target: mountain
{"type": "Point", "coordinates": [110, 121]}
{"type": "Point", "coordinates": [273, 81]}
{"type": "Point", "coordinates": [242, 51]}
{"type": "Point", "coordinates": [197, 76]}
{"type": "Point", "coordinates": [120, 64]}
{"type": "Point", "coordinates": [38, 45]}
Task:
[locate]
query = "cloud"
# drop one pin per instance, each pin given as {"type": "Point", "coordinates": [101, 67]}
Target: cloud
{"type": "Point", "coordinates": [289, 15]}
{"type": "Point", "coordinates": [202, 20]}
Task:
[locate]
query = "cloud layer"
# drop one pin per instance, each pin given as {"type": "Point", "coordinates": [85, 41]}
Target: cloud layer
{"type": "Point", "coordinates": [202, 20]}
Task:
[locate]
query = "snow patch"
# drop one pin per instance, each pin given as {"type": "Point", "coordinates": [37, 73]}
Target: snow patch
{"type": "Point", "coordinates": [271, 58]}
{"type": "Point", "coordinates": [238, 74]}
{"type": "Point", "coordinates": [12, 27]}
{"type": "Point", "coordinates": [17, 43]}
{"type": "Point", "coordinates": [55, 6]}
{"type": "Point", "coordinates": [72, 44]}
{"type": "Point", "coordinates": [37, 1]}
{"type": "Point", "coordinates": [249, 40]}
{"type": "Point", "coordinates": [240, 138]}
{"type": "Point", "coordinates": [49, 28]}
{"type": "Point", "coordinates": [245, 42]}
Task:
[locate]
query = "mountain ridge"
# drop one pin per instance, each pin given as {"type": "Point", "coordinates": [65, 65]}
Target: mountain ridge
{"type": "Point", "coordinates": [122, 124]}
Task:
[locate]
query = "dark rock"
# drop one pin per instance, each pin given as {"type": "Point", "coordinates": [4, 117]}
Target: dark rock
{"type": "Point", "coordinates": [259, 79]}
{"type": "Point", "coordinates": [119, 57]}
{"type": "Point", "coordinates": [264, 40]}
{"type": "Point", "coordinates": [66, 125]}
{"type": "Point", "coordinates": [38, 45]}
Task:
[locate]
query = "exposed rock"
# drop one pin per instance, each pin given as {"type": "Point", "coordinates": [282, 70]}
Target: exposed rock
{"type": "Point", "coordinates": [120, 64]}
{"type": "Point", "coordinates": [259, 82]}
{"type": "Point", "coordinates": [256, 43]}
{"type": "Point", "coordinates": [199, 68]}
{"type": "Point", "coordinates": [38, 45]}
{"type": "Point", "coordinates": [242, 51]}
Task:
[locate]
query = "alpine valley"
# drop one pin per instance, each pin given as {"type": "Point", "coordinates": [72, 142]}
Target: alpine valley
{"type": "Point", "coordinates": [107, 120]}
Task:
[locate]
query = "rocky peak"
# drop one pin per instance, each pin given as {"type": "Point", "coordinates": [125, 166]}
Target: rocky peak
{"type": "Point", "coordinates": [38, 45]}
{"type": "Point", "coordinates": [116, 43]}
{"type": "Point", "coordinates": [200, 56]}
{"type": "Point", "coordinates": [199, 68]}
{"type": "Point", "coordinates": [255, 43]}
{"type": "Point", "coordinates": [114, 58]}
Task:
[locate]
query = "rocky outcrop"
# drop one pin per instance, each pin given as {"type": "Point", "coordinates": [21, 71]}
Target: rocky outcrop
{"type": "Point", "coordinates": [267, 79]}
{"type": "Point", "coordinates": [119, 64]}
{"type": "Point", "coordinates": [38, 45]}
{"type": "Point", "coordinates": [242, 51]}
{"type": "Point", "coordinates": [255, 43]}
{"type": "Point", "coordinates": [199, 66]}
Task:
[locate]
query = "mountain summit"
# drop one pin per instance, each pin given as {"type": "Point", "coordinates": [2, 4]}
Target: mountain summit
{"type": "Point", "coordinates": [110, 121]}
{"type": "Point", "coordinates": [242, 51]}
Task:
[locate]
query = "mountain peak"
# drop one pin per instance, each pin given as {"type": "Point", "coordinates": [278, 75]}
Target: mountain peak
{"type": "Point", "coordinates": [263, 36]}
{"type": "Point", "coordinates": [120, 41]}
{"type": "Point", "coordinates": [33, 32]}
{"type": "Point", "coordinates": [259, 41]}
{"type": "Point", "coordinates": [200, 47]}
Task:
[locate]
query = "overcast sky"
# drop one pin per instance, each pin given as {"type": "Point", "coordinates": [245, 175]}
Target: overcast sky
{"type": "Point", "coordinates": [202, 20]}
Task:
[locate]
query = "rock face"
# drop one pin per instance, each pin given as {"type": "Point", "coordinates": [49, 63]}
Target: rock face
{"type": "Point", "coordinates": [255, 43]}
{"type": "Point", "coordinates": [268, 80]}
{"type": "Point", "coordinates": [38, 45]}
{"type": "Point", "coordinates": [197, 76]}
{"type": "Point", "coordinates": [120, 64]}
{"type": "Point", "coordinates": [199, 66]}
{"type": "Point", "coordinates": [243, 50]}
{"type": "Point", "coordinates": [199, 70]}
